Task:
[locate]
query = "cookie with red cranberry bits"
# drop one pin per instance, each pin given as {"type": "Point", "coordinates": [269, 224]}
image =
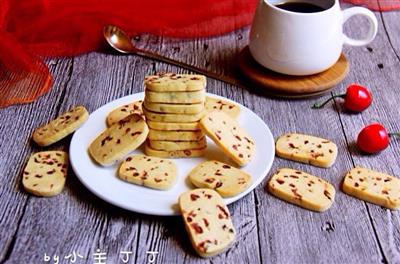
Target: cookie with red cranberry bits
{"type": "Point", "coordinates": [177, 145]}
{"type": "Point", "coordinates": [175, 97]}
{"type": "Point", "coordinates": [148, 171]}
{"type": "Point", "coordinates": [174, 108]}
{"type": "Point", "coordinates": [233, 110]}
{"type": "Point", "coordinates": [373, 186]}
{"type": "Point", "coordinates": [302, 189]}
{"type": "Point", "coordinates": [312, 150]}
{"type": "Point", "coordinates": [175, 135]}
{"type": "Point", "coordinates": [193, 126]}
{"type": "Point", "coordinates": [119, 140]}
{"type": "Point", "coordinates": [60, 127]}
{"type": "Point", "coordinates": [207, 221]}
{"type": "Point", "coordinates": [123, 111]}
{"type": "Point", "coordinates": [225, 179]}
{"type": "Point", "coordinates": [171, 82]}
{"type": "Point", "coordinates": [45, 173]}
{"type": "Point", "coordinates": [229, 136]}
{"type": "Point", "coordinates": [185, 153]}
{"type": "Point", "coordinates": [178, 118]}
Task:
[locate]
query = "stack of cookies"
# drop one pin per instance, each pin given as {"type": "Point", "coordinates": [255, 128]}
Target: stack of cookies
{"type": "Point", "coordinates": [173, 107]}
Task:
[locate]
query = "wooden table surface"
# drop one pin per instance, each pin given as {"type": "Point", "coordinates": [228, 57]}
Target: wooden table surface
{"type": "Point", "coordinates": [269, 230]}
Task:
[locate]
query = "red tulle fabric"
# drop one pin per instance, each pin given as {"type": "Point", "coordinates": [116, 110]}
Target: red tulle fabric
{"type": "Point", "coordinates": [31, 30]}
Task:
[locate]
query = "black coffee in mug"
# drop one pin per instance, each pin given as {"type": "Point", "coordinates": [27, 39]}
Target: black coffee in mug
{"type": "Point", "coordinates": [300, 7]}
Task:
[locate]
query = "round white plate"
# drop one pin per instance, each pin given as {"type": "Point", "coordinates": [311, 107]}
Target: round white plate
{"type": "Point", "coordinates": [103, 182]}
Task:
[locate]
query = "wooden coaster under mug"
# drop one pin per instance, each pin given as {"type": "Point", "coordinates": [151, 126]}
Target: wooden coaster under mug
{"type": "Point", "coordinates": [289, 86]}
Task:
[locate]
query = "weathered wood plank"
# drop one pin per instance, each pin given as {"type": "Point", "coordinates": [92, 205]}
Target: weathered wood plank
{"type": "Point", "coordinates": [85, 222]}
{"type": "Point", "coordinates": [378, 68]}
{"type": "Point", "coordinates": [17, 124]}
{"type": "Point", "coordinates": [392, 30]}
{"type": "Point", "coordinates": [289, 234]}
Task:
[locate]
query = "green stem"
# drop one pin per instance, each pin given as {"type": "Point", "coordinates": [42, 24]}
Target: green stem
{"type": "Point", "coordinates": [397, 134]}
{"type": "Point", "coordinates": [320, 105]}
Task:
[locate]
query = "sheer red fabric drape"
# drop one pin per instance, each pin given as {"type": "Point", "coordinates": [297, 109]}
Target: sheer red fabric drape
{"type": "Point", "coordinates": [33, 29]}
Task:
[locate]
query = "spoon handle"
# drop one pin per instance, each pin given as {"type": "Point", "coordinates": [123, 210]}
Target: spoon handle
{"type": "Point", "coordinates": [155, 56]}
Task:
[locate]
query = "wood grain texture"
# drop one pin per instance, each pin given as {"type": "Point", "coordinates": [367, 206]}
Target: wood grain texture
{"type": "Point", "coordinates": [379, 66]}
{"type": "Point", "coordinates": [17, 124]}
{"type": "Point", "coordinates": [269, 230]}
{"type": "Point", "coordinates": [76, 219]}
{"type": "Point", "coordinates": [301, 236]}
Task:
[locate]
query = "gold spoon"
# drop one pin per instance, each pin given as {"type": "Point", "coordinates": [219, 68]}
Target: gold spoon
{"type": "Point", "coordinates": [120, 41]}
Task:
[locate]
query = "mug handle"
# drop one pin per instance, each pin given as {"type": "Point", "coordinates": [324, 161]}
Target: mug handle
{"type": "Point", "coordinates": [373, 25]}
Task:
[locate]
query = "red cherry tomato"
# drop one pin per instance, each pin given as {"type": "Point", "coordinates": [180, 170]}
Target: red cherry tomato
{"type": "Point", "coordinates": [357, 98]}
{"type": "Point", "coordinates": [373, 138]}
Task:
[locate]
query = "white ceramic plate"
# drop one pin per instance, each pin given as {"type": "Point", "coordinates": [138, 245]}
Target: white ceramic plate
{"type": "Point", "coordinates": [103, 182]}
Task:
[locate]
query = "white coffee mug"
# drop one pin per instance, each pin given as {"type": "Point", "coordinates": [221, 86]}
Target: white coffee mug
{"type": "Point", "coordinates": [297, 43]}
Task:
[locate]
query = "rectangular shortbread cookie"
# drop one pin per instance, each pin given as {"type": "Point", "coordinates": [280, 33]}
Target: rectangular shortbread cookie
{"type": "Point", "coordinates": [373, 186]}
{"type": "Point", "coordinates": [207, 221]}
{"type": "Point", "coordinates": [302, 189]}
{"type": "Point", "coordinates": [307, 149]}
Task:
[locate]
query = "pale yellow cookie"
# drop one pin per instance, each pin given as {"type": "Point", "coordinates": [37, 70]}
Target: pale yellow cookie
{"type": "Point", "coordinates": [176, 97]}
{"type": "Point", "coordinates": [302, 189]}
{"type": "Point", "coordinates": [207, 221]}
{"type": "Point", "coordinates": [175, 135]}
{"type": "Point", "coordinates": [307, 149]}
{"type": "Point", "coordinates": [148, 171]}
{"type": "Point", "coordinates": [119, 140]}
{"type": "Point", "coordinates": [177, 145]}
{"type": "Point", "coordinates": [187, 153]}
{"type": "Point", "coordinates": [60, 127]}
{"type": "Point", "coordinates": [123, 111]}
{"type": "Point", "coordinates": [233, 110]}
{"type": "Point", "coordinates": [45, 173]}
{"type": "Point", "coordinates": [229, 136]}
{"type": "Point", "coordinates": [172, 82]}
{"type": "Point", "coordinates": [174, 108]}
{"type": "Point", "coordinates": [225, 179]}
{"type": "Point", "coordinates": [373, 186]}
{"type": "Point", "coordinates": [192, 126]}
{"type": "Point", "coordinates": [176, 118]}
